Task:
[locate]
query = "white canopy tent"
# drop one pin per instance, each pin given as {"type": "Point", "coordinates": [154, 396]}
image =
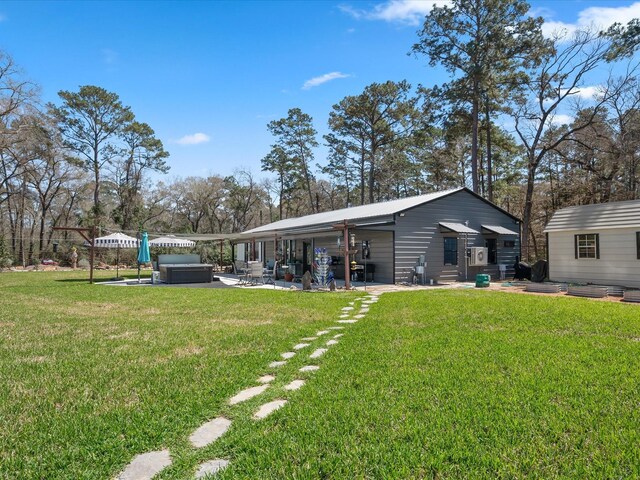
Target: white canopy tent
{"type": "Point", "coordinates": [171, 241]}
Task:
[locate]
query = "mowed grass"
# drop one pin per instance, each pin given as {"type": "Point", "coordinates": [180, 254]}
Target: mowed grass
{"type": "Point", "coordinates": [462, 384]}
{"type": "Point", "coordinates": [431, 384]}
{"type": "Point", "coordinates": [93, 375]}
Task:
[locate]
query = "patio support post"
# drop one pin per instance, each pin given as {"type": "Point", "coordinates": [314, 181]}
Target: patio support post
{"type": "Point", "coordinates": [347, 269]}
{"type": "Point", "coordinates": [221, 250]}
{"type": "Point", "coordinates": [92, 255]}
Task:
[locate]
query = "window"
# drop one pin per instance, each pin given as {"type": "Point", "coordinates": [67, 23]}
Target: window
{"type": "Point", "coordinates": [587, 246]}
{"type": "Point", "coordinates": [509, 243]}
{"type": "Point", "coordinates": [450, 251]}
{"type": "Point", "coordinates": [492, 249]}
{"type": "Point", "coordinates": [638, 245]}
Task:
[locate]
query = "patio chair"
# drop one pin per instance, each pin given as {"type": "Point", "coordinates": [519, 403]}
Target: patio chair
{"type": "Point", "coordinates": [240, 268]}
{"type": "Point", "coordinates": [255, 273]}
{"type": "Point", "coordinates": [270, 273]}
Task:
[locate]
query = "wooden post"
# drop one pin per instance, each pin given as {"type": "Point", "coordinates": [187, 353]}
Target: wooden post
{"type": "Point", "coordinates": [92, 254]}
{"type": "Point", "coordinates": [89, 234]}
{"type": "Point", "coordinates": [221, 253]}
{"type": "Point", "coordinates": [347, 266]}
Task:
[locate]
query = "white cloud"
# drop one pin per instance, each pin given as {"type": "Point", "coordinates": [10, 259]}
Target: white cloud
{"type": "Point", "coordinates": [109, 56]}
{"type": "Point", "coordinates": [562, 119]}
{"type": "Point", "coordinates": [327, 77]}
{"type": "Point", "coordinates": [585, 93]}
{"type": "Point", "coordinates": [599, 17]}
{"type": "Point", "coordinates": [194, 139]}
{"type": "Point", "coordinates": [410, 12]}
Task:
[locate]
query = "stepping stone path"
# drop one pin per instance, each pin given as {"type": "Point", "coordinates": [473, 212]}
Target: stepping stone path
{"type": "Point", "coordinates": [268, 408]}
{"type": "Point", "coordinates": [309, 368]}
{"type": "Point", "coordinates": [209, 432]}
{"type": "Point", "coordinates": [247, 393]}
{"type": "Point", "coordinates": [318, 353]}
{"type": "Point", "coordinates": [211, 467]}
{"type": "Point", "coordinates": [146, 466]}
{"type": "Point", "coordinates": [295, 385]}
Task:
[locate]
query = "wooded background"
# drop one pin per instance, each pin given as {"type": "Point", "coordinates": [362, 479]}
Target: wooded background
{"type": "Point", "coordinates": [521, 122]}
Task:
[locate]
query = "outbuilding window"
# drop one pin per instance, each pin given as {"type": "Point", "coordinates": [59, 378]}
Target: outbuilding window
{"type": "Point", "coordinates": [638, 245]}
{"type": "Point", "coordinates": [587, 245]}
{"type": "Point", "coordinates": [450, 251]}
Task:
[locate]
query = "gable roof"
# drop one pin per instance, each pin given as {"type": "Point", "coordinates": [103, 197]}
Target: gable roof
{"type": "Point", "coordinates": [599, 216]}
{"type": "Point", "coordinates": [359, 213]}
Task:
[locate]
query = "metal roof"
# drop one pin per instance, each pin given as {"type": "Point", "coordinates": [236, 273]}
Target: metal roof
{"type": "Point", "coordinates": [351, 214]}
{"type": "Point", "coordinates": [596, 217]}
{"type": "Point", "coordinates": [499, 230]}
{"type": "Point", "coordinates": [457, 227]}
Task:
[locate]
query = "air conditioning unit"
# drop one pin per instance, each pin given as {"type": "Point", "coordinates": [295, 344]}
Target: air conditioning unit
{"type": "Point", "coordinates": [478, 256]}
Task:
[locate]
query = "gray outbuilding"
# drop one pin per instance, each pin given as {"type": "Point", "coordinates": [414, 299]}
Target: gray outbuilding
{"type": "Point", "coordinates": [444, 236]}
{"type": "Point", "coordinates": [598, 244]}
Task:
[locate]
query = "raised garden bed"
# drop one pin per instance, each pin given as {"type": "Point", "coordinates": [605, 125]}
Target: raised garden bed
{"type": "Point", "coordinates": [542, 288]}
{"type": "Point", "coordinates": [587, 291]}
{"type": "Point", "coordinates": [631, 296]}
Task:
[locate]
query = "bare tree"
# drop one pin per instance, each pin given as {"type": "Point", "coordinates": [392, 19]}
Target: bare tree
{"type": "Point", "coordinates": [553, 85]}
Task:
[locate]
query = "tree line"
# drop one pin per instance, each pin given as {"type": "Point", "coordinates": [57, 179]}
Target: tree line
{"type": "Point", "coordinates": [523, 121]}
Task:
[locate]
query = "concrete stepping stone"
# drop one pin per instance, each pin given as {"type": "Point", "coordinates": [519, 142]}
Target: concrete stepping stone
{"type": "Point", "coordinates": [347, 321]}
{"type": "Point", "coordinates": [344, 315]}
{"type": "Point", "coordinates": [309, 368]}
{"type": "Point", "coordinates": [309, 339]}
{"type": "Point", "coordinates": [360, 315]}
{"type": "Point", "coordinates": [266, 379]}
{"type": "Point", "coordinates": [268, 408]}
{"type": "Point", "coordinates": [211, 467]}
{"type": "Point", "coordinates": [336, 328]}
{"type": "Point", "coordinates": [247, 393]}
{"type": "Point", "coordinates": [277, 364]}
{"type": "Point", "coordinates": [350, 303]}
{"type": "Point", "coordinates": [146, 466]}
{"type": "Point", "coordinates": [288, 355]}
{"type": "Point", "coordinates": [295, 385]}
{"type": "Point", "coordinates": [318, 353]}
{"type": "Point", "coordinates": [300, 346]}
{"type": "Point", "coordinates": [209, 432]}
{"type": "Point", "coordinates": [338, 335]}
{"type": "Point", "coordinates": [322, 332]}
{"type": "Point", "coordinates": [346, 309]}
{"type": "Point", "coordinates": [331, 342]}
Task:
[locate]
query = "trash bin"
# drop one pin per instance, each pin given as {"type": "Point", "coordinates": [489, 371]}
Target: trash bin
{"type": "Point", "coordinates": [155, 277]}
{"type": "Point", "coordinates": [482, 280]}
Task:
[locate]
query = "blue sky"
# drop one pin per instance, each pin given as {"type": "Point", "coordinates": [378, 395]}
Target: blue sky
{"type": "Point", "coordinates": [209, 76]}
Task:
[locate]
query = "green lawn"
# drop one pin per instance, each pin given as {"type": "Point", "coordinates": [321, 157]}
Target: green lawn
{"type": "Point", "coordinates": [431, 384]}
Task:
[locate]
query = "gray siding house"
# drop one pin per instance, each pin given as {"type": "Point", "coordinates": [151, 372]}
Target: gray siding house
{"type": "Point", "coordinates": [597, 244]}
{"type": "Point", "coordinates": [435, 230]}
